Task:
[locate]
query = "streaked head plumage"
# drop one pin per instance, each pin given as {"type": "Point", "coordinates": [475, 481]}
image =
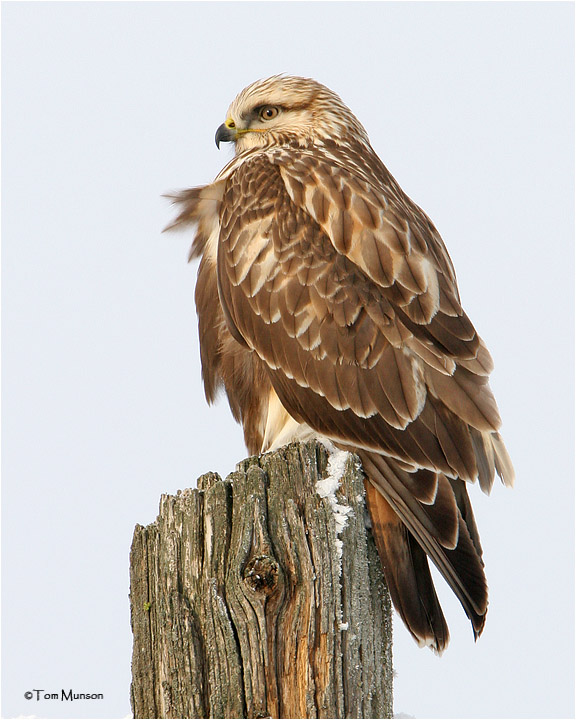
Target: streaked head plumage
{"type": "Point", "coordinates": [285, 108]}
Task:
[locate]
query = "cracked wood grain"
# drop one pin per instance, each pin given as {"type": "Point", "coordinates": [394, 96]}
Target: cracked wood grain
{"type": "Point", "coordinates": [242, 607]}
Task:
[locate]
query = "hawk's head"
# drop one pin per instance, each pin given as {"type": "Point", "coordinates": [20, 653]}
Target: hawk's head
{"type": "Point", "coordinates": [284, 109]}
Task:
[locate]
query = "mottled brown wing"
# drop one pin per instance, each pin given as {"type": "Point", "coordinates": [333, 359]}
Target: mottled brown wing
{"type": "Point", "coordinates": [361, 329]}
{"type": "Point", "coordinates": [339, 294]}
{"type": "Point", "coordinates": [358, 322]}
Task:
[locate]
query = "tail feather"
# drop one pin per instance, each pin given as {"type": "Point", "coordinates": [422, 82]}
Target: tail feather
{"type": "Point", "coordinates": [407, 575]}
{"type": "Point", "coordinates": [407, 531]}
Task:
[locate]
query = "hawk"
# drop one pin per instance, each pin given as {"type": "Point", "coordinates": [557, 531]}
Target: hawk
{"type": "Point", "coordinates": [328, 307]}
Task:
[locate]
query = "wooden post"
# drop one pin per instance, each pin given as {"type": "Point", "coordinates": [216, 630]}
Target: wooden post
{"type": "Point", "coordinates": [249, 599]}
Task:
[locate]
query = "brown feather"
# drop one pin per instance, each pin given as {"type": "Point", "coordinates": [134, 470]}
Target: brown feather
{"type": "Point", "coordinates": [462, 566]}
{"type": "Point", "coordinates": [407, 575]}
{"type": "Point", "coordinates": [328, 302]}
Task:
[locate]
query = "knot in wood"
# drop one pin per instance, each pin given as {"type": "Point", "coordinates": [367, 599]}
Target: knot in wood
{"type": "Point", "coordinates": [261, 574]}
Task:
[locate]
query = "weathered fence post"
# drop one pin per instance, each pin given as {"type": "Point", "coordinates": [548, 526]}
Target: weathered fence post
{"type": "Point", "coordinates": [256, 597]}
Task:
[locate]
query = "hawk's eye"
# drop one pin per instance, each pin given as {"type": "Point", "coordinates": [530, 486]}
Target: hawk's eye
{"type": "Point", "coordinates": [268, 112]}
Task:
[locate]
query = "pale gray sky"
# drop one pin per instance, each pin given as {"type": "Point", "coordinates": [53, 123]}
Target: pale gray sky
{"type": "Point", "coordinates": [108, 105]}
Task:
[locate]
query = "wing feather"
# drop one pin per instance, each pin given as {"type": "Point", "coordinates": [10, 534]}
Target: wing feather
{"type": "Point", "coordinates": [460, 563]}
{"type": "Point", "coordinates": [323, 286]}
{"type": "Point", "coordinates": [370, 310]}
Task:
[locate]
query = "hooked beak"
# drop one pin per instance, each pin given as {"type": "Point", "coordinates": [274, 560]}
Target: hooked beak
{"type": "Point", "coordinates": [224, 134]}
